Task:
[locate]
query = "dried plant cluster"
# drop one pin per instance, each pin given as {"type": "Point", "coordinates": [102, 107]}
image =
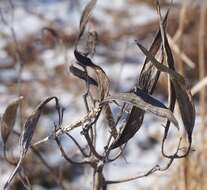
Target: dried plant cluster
{"type": "Point", "coordinates": [140, 97]}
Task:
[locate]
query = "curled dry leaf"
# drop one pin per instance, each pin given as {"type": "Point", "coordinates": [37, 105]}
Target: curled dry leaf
{"type": "Point", "coordinates": [102, 79]}
{"type": "Point", "coordinates": [32, 121]}
{"type": "Point", "coordinates": [8, 119]}
{"type": "Point", "coordinates": [82, 75]}
{"type": "Point", "coordinates": [29, 129]}
{"type": "Point", "coordinates": [146, 103]}
{"type": "Point", "coordinates": [83, 60]}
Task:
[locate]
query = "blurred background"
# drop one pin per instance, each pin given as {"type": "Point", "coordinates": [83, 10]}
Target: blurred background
{"type": "Point", "coordinates": [34, 63]}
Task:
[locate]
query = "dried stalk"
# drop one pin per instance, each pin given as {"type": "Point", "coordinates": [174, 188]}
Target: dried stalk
{"type": "Point", "coordinates": [201, 55]}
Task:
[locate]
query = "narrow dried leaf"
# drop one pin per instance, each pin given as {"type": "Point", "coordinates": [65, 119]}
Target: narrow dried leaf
{"type": "Point", "coordinates": [85, 17]}
{"type": "Point", "coordinates": [8, 119]}
{"type": "Point", "coordinates": [146, 103]}
{"type": "Point", "coordinates": [187, 108]}
{"type": "Point", "coordinates": [82, 75]}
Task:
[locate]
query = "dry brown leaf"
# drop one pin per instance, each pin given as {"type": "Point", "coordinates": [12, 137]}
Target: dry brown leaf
{"type": "Point", "coordinates": [133, 124]}
{"type": "Point", "coordinates": [8, 119]}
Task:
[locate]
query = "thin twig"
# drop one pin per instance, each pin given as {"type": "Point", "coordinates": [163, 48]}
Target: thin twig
{"type": "Point", "coordinates": [77, 144]}
{"type": "Point", "coordinates": [180, 53]}
{"type": "Point", "coordinates": [69, 159]}
{"type": "Point", "coordinates": [151, 171]}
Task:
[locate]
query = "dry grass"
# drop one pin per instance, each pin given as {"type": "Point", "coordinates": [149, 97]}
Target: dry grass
{"type": "Point", "coordinates": [191, 173]}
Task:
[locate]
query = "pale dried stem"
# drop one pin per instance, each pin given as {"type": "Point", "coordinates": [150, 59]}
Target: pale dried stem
{"type": "Point", "coordinates": [201, 54]}
{"type": "Point", "coordinates": [182, 17]}
{"type": "Point", "coordinates": [89, 119]}
{"type": "Point", "coordinates": [178, 39]}
{"type": "Point", "coordinates": [176, 49]}
{"type": "Point", "coordinates": [179, 34]}
{"type": "Point", "coordinates": [199, 86]}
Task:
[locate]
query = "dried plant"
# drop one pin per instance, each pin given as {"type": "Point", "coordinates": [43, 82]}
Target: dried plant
{"type": "Point", "coordinates": [140, 97]}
